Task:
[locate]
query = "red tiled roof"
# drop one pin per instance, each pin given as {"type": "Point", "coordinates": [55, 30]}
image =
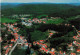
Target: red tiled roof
{"type": "Point", "coordinates": [75, 37]}
{"type": "Point", "coordinates": [46, 50]}
{"type": "Point", "coordinates": [6, 46]}
{"type": "Point", "coordinates": [78, 50]}
{"type": "Point", "coordinates": [16, 37]}
{"type": "Point", "coordinates": [41, 40]}
{"type": "Point", "coordinates": [7, 51]}
{"type": "Point", "coordinates": [26, 43]}
{"type": "Point", "coordinates": [70, 45]}
{"type": "Point", "coordinates": [78, 31]}
{"type": "Point", "coordinates": [60, 52]}
{"type": "Point", "coordinates": [10, 45]}
{"type": "Point", "coordinates": [45, 45]}
{"type": "Point", "coordinates": [78, 43]}
{"type": "Point", "coordinates": [34, 42]}
{"type": "Point", "coordinates": [50, 33]}
{"type": "Point", "coordinates": [78, 35]}
{"type": "Point", "coordinates": [12, 40]}
{"type": "Point", "coordinates": [52, 52]}
{"type": "Point", "coordinates": [13, 24]}
{"type": "Point", "coordinates": [73, 53]}
{"type": "Point", "coordinates": [43, 48]}
{"type": "Point", "coordinates": [14, 28]}
{"type": "Point", "coordinates": [38, 43]}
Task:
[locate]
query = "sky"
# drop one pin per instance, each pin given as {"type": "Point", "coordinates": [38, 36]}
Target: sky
{"type": "Point", "coordinates": [49, 1]}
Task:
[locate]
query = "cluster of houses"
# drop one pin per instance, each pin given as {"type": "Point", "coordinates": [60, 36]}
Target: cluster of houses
{"type": "Point", "coordinates": [28, 21]}
{"type": "Point", "coordinates": [73, 51]}
{"type": "Point", "coordinates": [17, 38]}
{"type": "Point", "coordinates": [34, 20]}
{"type": "Point", "coordinates": [41, 43]}
{"type": "Point", "coordinates": [76, 43]}
{"type": "Point", "coordinates": [44, 47]}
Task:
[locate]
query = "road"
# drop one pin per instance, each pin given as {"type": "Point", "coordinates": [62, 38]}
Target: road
{"type": "Point", "coordinates": [13, 48]}
{"type": "Point", "coordinates": [18, 40]}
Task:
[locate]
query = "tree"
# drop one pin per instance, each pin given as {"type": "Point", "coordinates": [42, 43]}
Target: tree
{"type": "Point", "coordinates": [38, 35]}
{"type": "Point", "coordinates": [27, 52]}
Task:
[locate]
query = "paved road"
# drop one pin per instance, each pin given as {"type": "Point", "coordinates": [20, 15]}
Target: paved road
{"type": "Point", "coordinates": [13, 48]}
{"type": "Point", "coordinates": [19, 40]}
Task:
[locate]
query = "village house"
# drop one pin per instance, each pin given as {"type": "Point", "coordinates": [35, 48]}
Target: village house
{"type": "Point", "coordinates": [7, 51]}
{"type": "Point", "coordinates": [5, 47]}
{"type": "Point", "coordinates": [10, 45]}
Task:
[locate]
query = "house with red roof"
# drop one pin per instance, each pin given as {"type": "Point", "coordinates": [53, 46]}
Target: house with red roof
{"type": "Point", "coordinates": [41, 41]}
{"type": "Point", "coordinates": [44, 45]}
{"type": "Point", "coordinates": [5, 47]}
{"type": "Point", "coordinates": [60, 52]}
{"type": "Point", "coordinates": [74, 42]}
{"type": "Point", "coordinates": [46, 50]}
{"type": "Point", "coordinates": [12, 40]}
{"type": "Point", "coordinates": [16, 38]}
{"type": "Point", "coordinates": [52, 49]}
{"type": "Point", "coordinates": [78, 50]}
{"type": "Point", "coordinates": [52, 53]}
{"type": "Point", "coordinates": [50, 34]}
{"type": "Point", "coordinates": [26, 44]}
{"type": "Point", "coordinates": [10, 45]}
{"type": "Point", "coordinates": [73, 53]}
{"type": "Point", "coordinates": [15, 28]}
{"type": "Point", "coordinates": [7, 51]}
{"type": "Point", "coordinates": [75, 37]}
{"type": "Point", "coordinates": [34, 43]}
{"type": "Point", "coordinates": [15, 34]}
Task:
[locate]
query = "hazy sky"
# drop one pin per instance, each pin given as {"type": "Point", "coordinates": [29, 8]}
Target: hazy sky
{"type": "Point", "coordinates": [50, 1]}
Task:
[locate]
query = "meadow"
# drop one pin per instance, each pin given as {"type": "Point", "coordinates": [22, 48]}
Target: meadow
{"type": "Point", "coordinates": [7, 20]}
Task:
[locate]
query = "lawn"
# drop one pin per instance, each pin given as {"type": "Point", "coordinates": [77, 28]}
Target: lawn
{"type": "Point", "coordinates": [7, 20]}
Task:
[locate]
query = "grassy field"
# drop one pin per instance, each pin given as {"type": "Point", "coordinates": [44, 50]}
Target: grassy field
{"type": "Point", "coordinates": [55, 21]}
{"type": "Point", "coordinates": [71, 18]}
{"type": "Point", "coordinates": [7, 20]}
{"type": "Point", "coordinates": [18, 51]}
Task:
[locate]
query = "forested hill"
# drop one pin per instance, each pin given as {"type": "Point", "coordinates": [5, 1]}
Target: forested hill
{"type": "Point", "coordinates": [10, 5]}
{"type": "Point", "coordinates": [51, 9]}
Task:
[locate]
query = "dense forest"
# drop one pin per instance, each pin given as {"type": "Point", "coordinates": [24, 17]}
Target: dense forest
{"type": "Point", "coordinates": [56, 10]}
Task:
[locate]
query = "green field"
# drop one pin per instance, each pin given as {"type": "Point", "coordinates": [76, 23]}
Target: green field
{"type": "Point", "coordinates": [7, 20]}
{"type": "Point", "coordinates": [54, 21]}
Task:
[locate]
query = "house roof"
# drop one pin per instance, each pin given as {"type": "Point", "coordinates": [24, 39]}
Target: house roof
{"type": "Point", "coordinates": [78, 50]}
{"type": "Point", "coordinates": [73, 53]}
{"type": "Point", "coordinates": [43, 48]}
{"type": "Point", "coordinates": [50, 33]}
{"type": "Point", "coordinates": [12, 39]}
{"type": "Point", "coordinates": [10, 44]}
{"type": "Point", "coordinates": [75, 37]}
{"type": "Point", "coordinates": [46, 50]}
{"type": "Point", "coordinates": [78, 31]}
{"type": "Point", "coordinates": [52, 52]}
{"type": "Point", "coordinates": [7, 51]}
{"type": "Point", "coordinates": [6, 46]}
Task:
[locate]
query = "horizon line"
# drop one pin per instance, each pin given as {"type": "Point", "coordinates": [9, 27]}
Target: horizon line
{"type": "Point", "coordinates": [38, 2]}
